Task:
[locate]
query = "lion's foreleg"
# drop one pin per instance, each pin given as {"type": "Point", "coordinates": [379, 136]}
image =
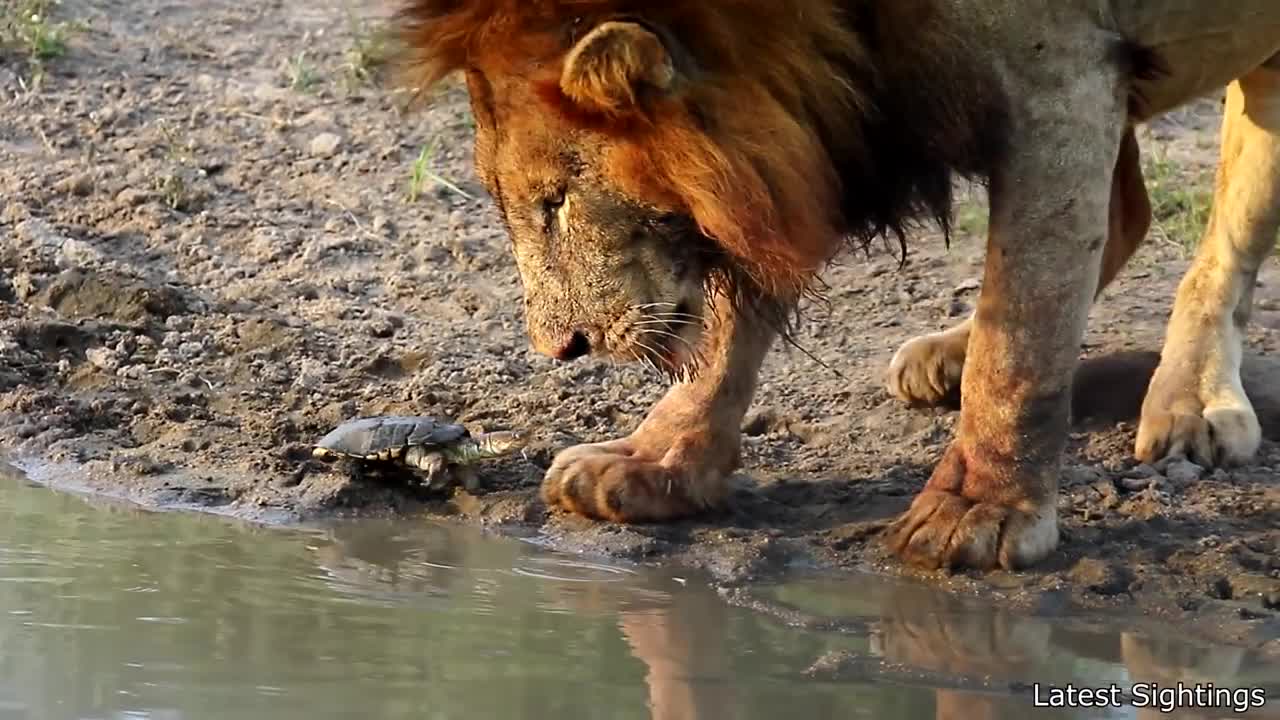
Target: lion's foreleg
{"type": "Point", "coordinates": [927, 369]}
{"type": "Point", "coordinates": [1196, 405]}
{"type": "Point", "coordinates": [678, 461]}
{"type": "Point", "coordinates": [992, 499]}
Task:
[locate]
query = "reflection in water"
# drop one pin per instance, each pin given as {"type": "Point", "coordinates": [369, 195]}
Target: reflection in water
{"type": "Point", "coordinates": [971, 645]}
{"type": "Point", "coordinates": [108, 612]}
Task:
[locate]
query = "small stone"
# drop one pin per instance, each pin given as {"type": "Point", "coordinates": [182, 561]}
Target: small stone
{"type": "Point", "coordinates": [1142, 471]}
{"type": "Point", "coordinates": [134, 196]}
{"type": "Point", "coordinates": [325, 144]}
{"type": "Point", "coordinates": [1271, 600]}
{"type": "Point", "coordinates": [133, 372]}
{"type": "Point", "coordinates": [1183, 472]}
{"type": "Point", "coordinates": [1107, 496]}
{"type": "Point", "coordinates": [77, 253]}
{"type": "Point", "coordinates": [1101, 577]}
{"type": "Point", "coordinates": [967, 285]}
{"type": "Point", "coordinates": [312, 374]}
{"type": "Point", "coordinates": [79, 184]}
{"type": "Point", "coordinates": [1137, 484]}
{"type": "Point", "coordinates": [190, 350]}
{"type": "Point", "coordinates": [1221, 589]}
{"type": "Point", "coordinates": [103, 358]}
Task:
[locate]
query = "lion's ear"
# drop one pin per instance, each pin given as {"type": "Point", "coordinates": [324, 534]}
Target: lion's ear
{"type": "Point", "coordinates": [616, 67]}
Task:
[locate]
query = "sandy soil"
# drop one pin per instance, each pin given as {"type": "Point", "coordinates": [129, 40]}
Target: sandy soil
{"type": "Point", "coordinates": [208, 258]}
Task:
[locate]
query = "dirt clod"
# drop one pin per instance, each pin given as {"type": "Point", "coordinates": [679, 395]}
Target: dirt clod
{"type": "Point", "coordinates": [1101, 577]}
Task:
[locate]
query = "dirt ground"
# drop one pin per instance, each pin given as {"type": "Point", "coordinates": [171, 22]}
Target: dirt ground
{"type": "Point", "coordinates": [210, 256]}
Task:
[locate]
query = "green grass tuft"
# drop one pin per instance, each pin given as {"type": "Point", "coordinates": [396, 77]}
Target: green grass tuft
{"type": "Point", "coordinates": [422, 173]}
{"type": "Point", "coordinates": [28, 30]}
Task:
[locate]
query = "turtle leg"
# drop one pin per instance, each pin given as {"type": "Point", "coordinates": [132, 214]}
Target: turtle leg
{"type": "Point", "coordinates": [468, 476]}
{"type": "Point", "coordinates": [437, 470]}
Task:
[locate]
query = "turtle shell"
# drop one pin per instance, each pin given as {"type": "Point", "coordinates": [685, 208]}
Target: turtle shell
{"type": "Point", "coordinates": [388, 436]}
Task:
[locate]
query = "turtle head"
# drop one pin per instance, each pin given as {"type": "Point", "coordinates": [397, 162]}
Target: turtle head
{"type": "Point", "coordinates": [502, 442]}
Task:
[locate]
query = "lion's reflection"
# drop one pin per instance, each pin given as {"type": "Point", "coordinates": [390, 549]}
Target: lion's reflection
{"type": "Point", "coordinates": [684, 638]}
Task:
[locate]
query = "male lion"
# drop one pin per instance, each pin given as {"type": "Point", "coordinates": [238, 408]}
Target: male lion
{"type": "Point", "coordinates": [673, 174]}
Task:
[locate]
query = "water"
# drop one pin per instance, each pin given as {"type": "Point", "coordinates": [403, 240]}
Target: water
{"type": "Point", "coordinates": [108, 612]}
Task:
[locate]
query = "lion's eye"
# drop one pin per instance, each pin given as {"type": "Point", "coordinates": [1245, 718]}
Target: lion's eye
{"type": "Point", "coordinates": [551, 205]}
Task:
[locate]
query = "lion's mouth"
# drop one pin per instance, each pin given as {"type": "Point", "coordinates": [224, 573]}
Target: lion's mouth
{"type": "Point", "coordinates": [664, 336]}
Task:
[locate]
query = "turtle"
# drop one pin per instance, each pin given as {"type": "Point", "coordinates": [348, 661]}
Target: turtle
{"type": "Point", "coordinates": [420, 442]}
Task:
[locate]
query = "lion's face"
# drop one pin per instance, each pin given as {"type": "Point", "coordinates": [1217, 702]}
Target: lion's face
{"type": "Point", "coordinates": [611, 265]}
{"type": "Point", "coordinates": [634, 181]}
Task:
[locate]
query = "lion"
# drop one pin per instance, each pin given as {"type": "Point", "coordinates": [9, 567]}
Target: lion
{"type": "Point", "coordinates": [674, 177]}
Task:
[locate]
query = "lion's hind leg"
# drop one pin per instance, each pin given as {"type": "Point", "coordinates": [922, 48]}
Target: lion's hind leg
{"type": "Point", "coordinates": [1196, 405]}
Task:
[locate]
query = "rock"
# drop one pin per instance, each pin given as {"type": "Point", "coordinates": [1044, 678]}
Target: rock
{"type": "Point", "coordinates": [134, 196]}
{"type": "Point", "coordinates": [312, 374]}
{"type": "Point", "coordinates": [760, 422]}
{"type": "Point", "coordinates": [190, 350]}
{"type": "Point", "coordinates": [1107, 495]}
{"type": "Point", "coordinates": [39, 233]}
{"type": "Point", "coordinates": [1140, 472]}
{"type": "Point", "coordinates": [325, 144]}
{"type": "Point", "coordinates": [76, 253]}
{"type": "Point", "coordinates": [1181, 471]}
{"type": "Point", "coordinates": [967, 285]}
{"type": "Point", "coordinates": [133, 372]}
{"type": "Point", "coordinates": [79, 184]}
{"type": "Point", "coordinates": [1101, 577]}
{"type": "Point", "coordinates": [1138, 484]}
{"type": "Point", "coordinates": [103, 358]}
{"type": "Point", "coordinates": [1221, 589]}
{"type": "Point", "coordinates": [1271, 600]}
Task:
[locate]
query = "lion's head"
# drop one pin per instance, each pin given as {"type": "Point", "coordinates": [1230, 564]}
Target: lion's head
{"type": "Point", "coordinates": [645, 153]}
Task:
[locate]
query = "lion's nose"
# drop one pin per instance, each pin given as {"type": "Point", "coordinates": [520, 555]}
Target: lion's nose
{"type": "Point", "coordinates": [575, 346]}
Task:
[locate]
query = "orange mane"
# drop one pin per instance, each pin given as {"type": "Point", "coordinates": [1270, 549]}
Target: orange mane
{"type": "Point", "coordinates": [785, 141]}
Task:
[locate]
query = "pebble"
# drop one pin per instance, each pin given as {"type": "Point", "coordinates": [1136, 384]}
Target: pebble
{"type": "Point", "coordinates": [134, 196]}
{"type": "Point", "coordinates": [1271, 600]}
{"type": "Point", "coordinates": [1183, 472]}
{"type": "Point", "coordinates": [1134, 484]}
{"type": "Point", "coordinates": [1142, 471]}
{"type": "Point", "coordinates": [79, 184]}
{"type": "Point", "coordinates": [312, 374]}
{"type": "Point", "coordinates": [1102, 577]}
{"type": "Point", "coordinates": [190, 350]}
{"type": "Point", "coordinates": [325, 144]}
{"type": "Point", "coordinates": [77, 253]}
{"type": "Point", "coordinates": [1221, 589]}
{"type": "Point", "coordinates": [103, 358]}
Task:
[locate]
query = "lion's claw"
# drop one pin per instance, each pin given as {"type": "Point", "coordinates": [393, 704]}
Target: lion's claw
{"type": "Point", "coordinates": [945, 530]}
{"type": "Point", "coordinates": [619, 482]}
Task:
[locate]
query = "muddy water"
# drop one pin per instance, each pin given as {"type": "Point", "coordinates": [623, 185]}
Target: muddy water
{"type": "Point", "coordinates": [111, 612]}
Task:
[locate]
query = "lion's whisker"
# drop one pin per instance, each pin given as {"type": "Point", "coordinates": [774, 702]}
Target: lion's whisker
{"type": "Point", "coordinates": [664, 333]}
{"type": "Point", "coordinates": [663, 322]}
{"type": "Point", "coordinates": [689, 316]}
{"type": "Point", "coordinates": [651, 351]}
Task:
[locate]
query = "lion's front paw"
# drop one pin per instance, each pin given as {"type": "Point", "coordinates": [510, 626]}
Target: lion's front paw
{"type": "Point", "coordinates": [1176, 422]}
{"type": "Point", "coordinates": [944, 530]}
{"type": "Point", "coordinates": [631, 481]}
{"type": "Point", "coordinates": [976, 512]}
{"type": "Point", "coordinates": [926, 370]}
